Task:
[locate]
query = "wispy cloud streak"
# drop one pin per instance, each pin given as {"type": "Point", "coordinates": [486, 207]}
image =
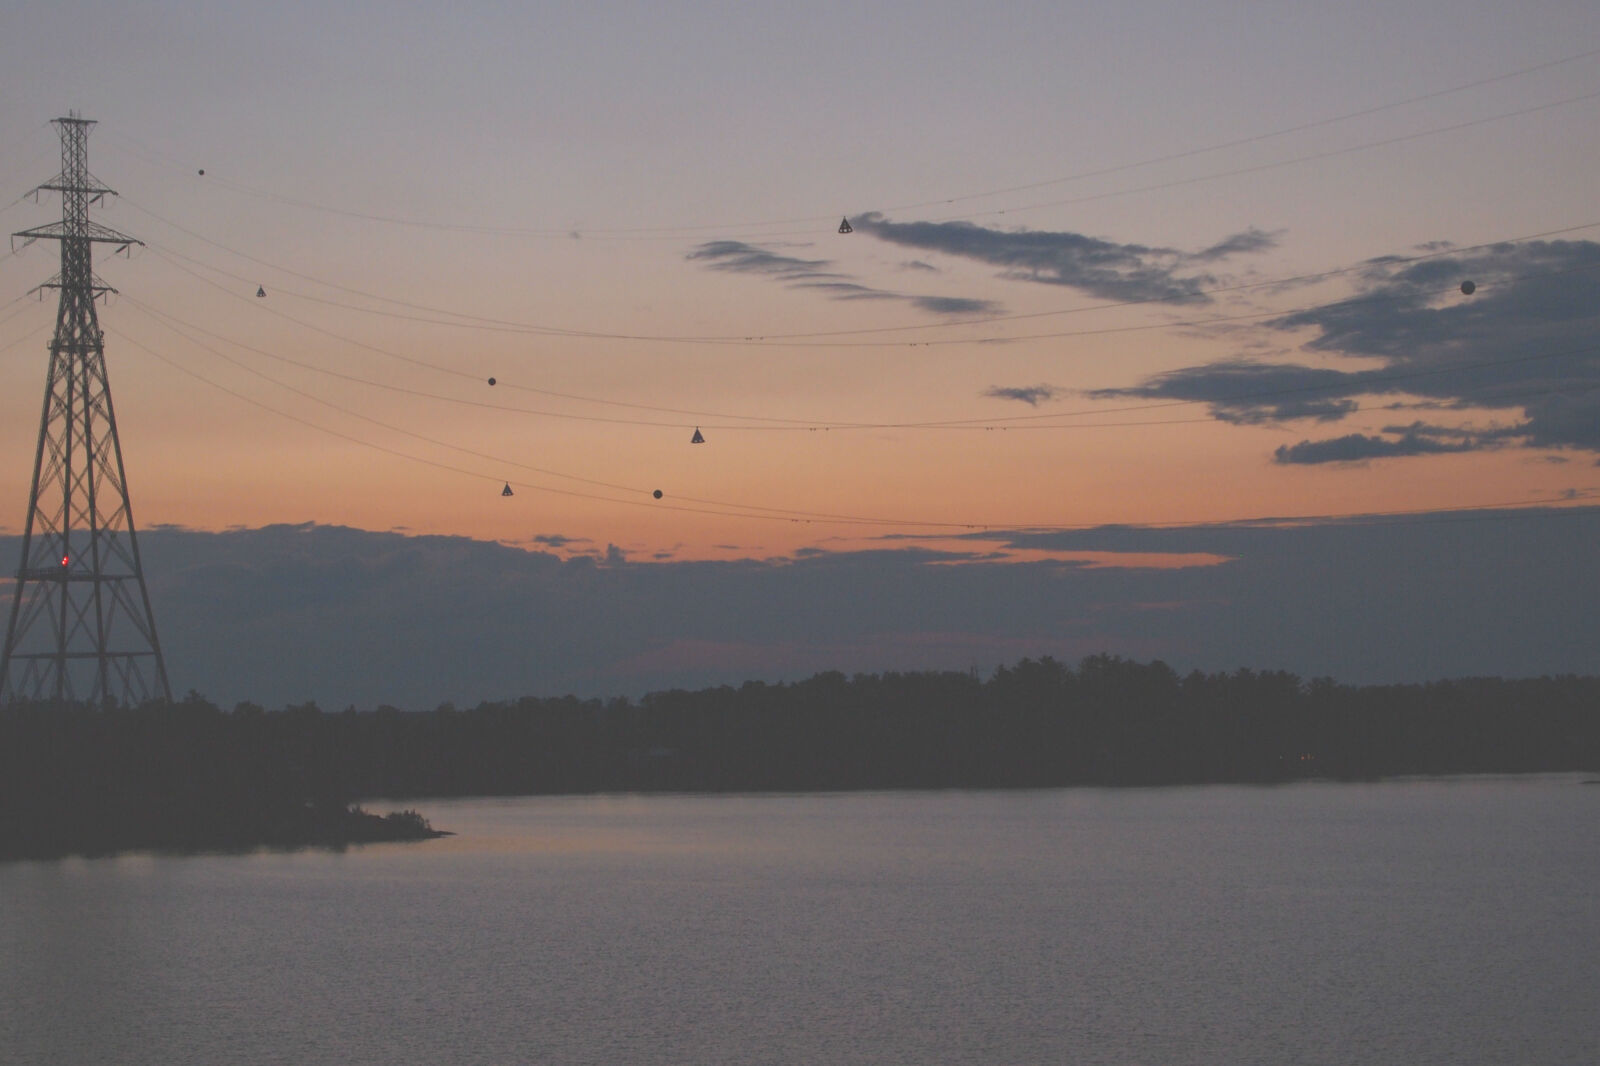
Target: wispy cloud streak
{"type": "Point", "coordinates": [1031, 395]}
{"type": "Point", "coordinates": [738, 257]}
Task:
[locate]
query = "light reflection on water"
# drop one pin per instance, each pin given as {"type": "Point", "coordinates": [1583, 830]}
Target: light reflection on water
{"type": "Point", "coordinates": [1416, 921]}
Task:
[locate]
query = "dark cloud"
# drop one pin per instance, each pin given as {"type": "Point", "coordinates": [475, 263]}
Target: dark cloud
{"type": "Point", "coordinates": [848, 290]}
{"type": "Point", "coordinates": [955, 305]}
{"type": "Point", "coordinates": [1242, 392]}
{"type": "Point", "coordinates": [1030, 394]}
{"type": "Point", "coordinates": [556, 540]}
{"type": "Point", "coordinates": [1287, 410]}
{"type": "Point", "coordinates": [1099, 267]}
{"type": "Point", "coordinates": [291, 613]}
{"type": "Point", "coordinates": [742, 258]}
{"type": "Point", "coordinates": [1358, 447]}
{"type": "Point", "coordinates": [1250, 241]}
{"type": "Point", "coordinates": [1568, 419]}
{"type": "Point", "coordinates": [1524, 341]}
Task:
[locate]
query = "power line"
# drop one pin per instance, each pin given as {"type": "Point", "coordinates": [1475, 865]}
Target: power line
{"type": "Point", "coordinates": [423, 393]}
{"type": "Point", "coordinates": [12, 152]}
{"type": "Point", "coordinates": [709, 506]}
{"type": "Point", "coordinates": [1253, 139]}
{"type": "Point", "coordinates": [178, 326]}
{"type": "Point", "coordinates": [746, 510]}
{"type": "Point", "coordinates": [767, 511]}
{"type": "Point", "coordinates": [28, 335]}
{"type": "Point", "coordinates": [827, 338]}
{"type": "Point", "coordinates": [776, 514]}
{"type": "Point", "coordinates": [723, 508]}
{"type": "Point", "coordinates": [1259, 167]}
{"type": "Point", "coordinates": [1017, 421]}
{"type": "Point", "coordinates": [770, 422]}
{"type": "Point", "coordinates": [679, 232]}
{"type": "Point", "coordinates": [791, 424]}
{"type": "Point", "coordinates": [477, 454]}
{"type": "Point", "coordinates": [797, 423]}
{"type": "Point", "coordinates": [686, 232]}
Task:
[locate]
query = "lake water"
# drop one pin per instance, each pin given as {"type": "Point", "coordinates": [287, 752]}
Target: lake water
{"type": "Point", "coordinates": [1433, 921]}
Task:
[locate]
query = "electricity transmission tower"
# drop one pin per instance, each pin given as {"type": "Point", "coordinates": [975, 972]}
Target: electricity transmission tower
{"type": "Point", "coordinates": [81, 626]}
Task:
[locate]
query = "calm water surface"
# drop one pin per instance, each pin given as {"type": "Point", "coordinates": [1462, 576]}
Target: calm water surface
{"type": "Point", "coordinates": [1450, 921]}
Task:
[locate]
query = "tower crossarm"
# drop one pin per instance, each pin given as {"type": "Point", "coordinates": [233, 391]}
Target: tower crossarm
{"type": "Point", "coordinates": [91, 188]}
{"type": "Point", "coordinates": [57, 231]}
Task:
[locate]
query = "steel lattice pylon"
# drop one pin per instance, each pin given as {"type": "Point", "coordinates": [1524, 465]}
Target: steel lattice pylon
{"type": "Point", "coordinates": [81, 626]}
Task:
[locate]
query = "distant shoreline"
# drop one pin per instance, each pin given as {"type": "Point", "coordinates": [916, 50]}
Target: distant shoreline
{"type": "Point", "coordinates": [190, 776]}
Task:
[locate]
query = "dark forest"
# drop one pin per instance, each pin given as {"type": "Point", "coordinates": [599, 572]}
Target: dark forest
{"type": "Point", "coordinates": [190, 775]}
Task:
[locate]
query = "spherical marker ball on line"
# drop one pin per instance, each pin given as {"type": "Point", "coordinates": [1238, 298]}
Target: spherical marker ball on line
{"type": "Point", "coordinates": [1468, 288]}
{"type": "Point", "coordinates": [491, 381]}
{"type": "Point", "coordinates": [656, 494]}
{"type": "Point", "coordinates": [202, 172]}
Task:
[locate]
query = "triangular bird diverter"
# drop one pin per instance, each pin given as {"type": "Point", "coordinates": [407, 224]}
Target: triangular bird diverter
{"type": "Point", "coordinates": [697, 438]}
{"type": "Point", "coordinates": [507, 490]}
{"type": "Point", "coordinates": [261, 290]}
{"type": "Point", "coordinates": [844, 226]}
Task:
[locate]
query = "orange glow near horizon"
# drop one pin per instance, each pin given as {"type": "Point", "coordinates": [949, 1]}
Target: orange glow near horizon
{"type": "Point", "coordinates": [743, 493]}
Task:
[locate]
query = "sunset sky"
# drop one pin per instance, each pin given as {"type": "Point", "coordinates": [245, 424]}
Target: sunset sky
{"type": "Point", "coordinates": [1157, 264]}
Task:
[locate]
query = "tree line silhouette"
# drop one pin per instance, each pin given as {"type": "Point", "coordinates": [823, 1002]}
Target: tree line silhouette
{"type": "Point", "coordinates": [191, 775]}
